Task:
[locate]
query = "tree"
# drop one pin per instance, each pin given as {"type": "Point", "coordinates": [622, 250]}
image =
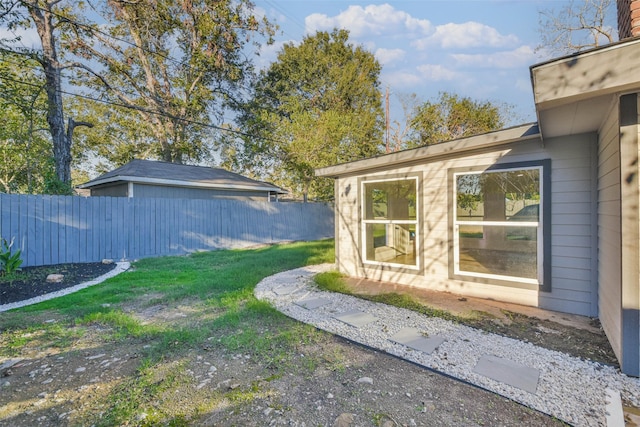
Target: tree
{"type": "Point", "coordinates": [318, 104]}
{"type": "Point", "coordinates": [50, 18]}
{"type": "Point", "coordinates": [452, 116]}
{"type": "Point", "coordinates": [175, 63]}
{"type": "Point", "coordinates": [117, 138]}
{"type": "Point", "coordinates": [25, 152]}
{"type": "Point", "coordinates": [576, 27]}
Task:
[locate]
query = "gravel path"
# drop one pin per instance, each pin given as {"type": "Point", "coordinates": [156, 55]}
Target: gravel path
{"type": "Point", "coordinates": [579, 392]}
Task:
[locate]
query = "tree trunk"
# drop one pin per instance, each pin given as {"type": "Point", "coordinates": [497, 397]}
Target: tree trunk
{"type": "Point", "coordinates": [42, 17]}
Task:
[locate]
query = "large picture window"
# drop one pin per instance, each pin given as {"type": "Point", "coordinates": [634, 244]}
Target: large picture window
{"type": "Point", "coordinates": [390, 221]}
{"type": "Point", "coordinates": [498, 224]}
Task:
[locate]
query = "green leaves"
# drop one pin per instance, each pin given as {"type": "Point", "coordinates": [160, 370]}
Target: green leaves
{"type": "Point", "coordinates": [9, 262]}
{"type": "Point", "coordinates": [318, 104]}
{"type": "Point", "coordinates": [452, 116]}
{"type": "Point", "coordinates": [176, 66]}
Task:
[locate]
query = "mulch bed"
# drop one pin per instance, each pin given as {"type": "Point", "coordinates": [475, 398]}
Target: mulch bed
{"type": "Point", "coordinates": [31, 282]}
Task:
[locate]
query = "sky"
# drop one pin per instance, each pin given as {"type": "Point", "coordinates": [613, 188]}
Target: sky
{"type": "Point", "coordinates": [480, 49]}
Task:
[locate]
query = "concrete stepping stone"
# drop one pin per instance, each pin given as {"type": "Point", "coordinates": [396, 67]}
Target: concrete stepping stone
{"type": "Point", "coordinates": [413, 338]}
{"type": "Point", "coordinates": [286, 289]}
{"type": "Point", "coordinates": [508, 372]}
{"type": "Point", "coordinates": [355, 318]}
{"type": "Point", "coordinates": [312, 303]}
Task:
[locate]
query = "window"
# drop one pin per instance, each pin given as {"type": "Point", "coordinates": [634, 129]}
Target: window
{"type": "Point", "coordinates": [390, 221]}
{"type": "Point", "coordinates": [498, 224]}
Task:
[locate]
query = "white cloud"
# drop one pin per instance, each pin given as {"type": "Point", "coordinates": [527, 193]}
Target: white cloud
{"type": "Point", "coordinates": [369, 20]}
{"type": "Point", "coordinates": [402, 80]}
{"type": "Point", "coordinates": [437, 72]}
{"type": "Point", "coordinates": [466, 35]}
{"type": "Point", "coordinates": [520, 57]}
{"type": "Point", "coordinates": [389, 56]}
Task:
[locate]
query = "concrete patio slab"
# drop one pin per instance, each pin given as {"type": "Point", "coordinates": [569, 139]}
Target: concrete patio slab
{"type": "Point", "coordinates": [508, 372]}
{"type": "Point", "coordinates": [312, 303]}
{"type": "Point", "coordinates": [355, 318]}
{"type": "Point", "coordinates": [413, 338]}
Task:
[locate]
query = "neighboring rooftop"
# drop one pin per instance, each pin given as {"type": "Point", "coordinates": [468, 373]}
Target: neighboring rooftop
{"type": "Point", "coordinates": [173, 174]}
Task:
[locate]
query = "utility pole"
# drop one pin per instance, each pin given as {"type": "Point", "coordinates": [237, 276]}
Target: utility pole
{"type": "Point", "coordinates": [386, 117]}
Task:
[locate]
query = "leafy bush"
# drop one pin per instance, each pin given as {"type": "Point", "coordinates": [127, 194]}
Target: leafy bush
{"type": "Point", "coordinates": [9, 262]}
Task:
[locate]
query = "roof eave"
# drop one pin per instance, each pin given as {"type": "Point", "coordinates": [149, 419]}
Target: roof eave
{"type": "Point", "coordinates": [457, 146]}
{"type": "Point", "coordinates": [178, 183]}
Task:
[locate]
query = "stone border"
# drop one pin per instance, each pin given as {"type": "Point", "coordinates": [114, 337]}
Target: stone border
{"type": "Point", "coordinates": [119, 268]}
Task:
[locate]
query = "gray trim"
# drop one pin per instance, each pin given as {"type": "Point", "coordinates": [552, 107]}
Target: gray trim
{"type": "Point", "coordinates": [419, 239]}
{"type": "Point", "coordinates": [432, 152]}
{"type": "Point", "coordinates": [595, 242]}
{"type": "Point", "coordinates": [336, 222]}
{"type": "Point", "coordinates": [179, 183]}
{"type": "Point", "coordinates": [630, 229]}
{"type": "Point", "coordinates": [545, 286]}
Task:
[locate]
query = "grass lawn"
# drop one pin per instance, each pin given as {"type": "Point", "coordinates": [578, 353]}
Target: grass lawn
{"type": "Point", "coordinates": [217, 287]}
{"type": "Point", "coordinates": [182, 341]}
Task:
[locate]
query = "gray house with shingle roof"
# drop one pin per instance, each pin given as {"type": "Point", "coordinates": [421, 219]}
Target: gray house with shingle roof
{"type": "Point", "coordinates": [154, 179]}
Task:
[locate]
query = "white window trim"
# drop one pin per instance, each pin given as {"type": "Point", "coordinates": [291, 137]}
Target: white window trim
{"type": "Point", "coordinates": [364, 222]}
{"type": "Point", "coordinates": [539, 225]}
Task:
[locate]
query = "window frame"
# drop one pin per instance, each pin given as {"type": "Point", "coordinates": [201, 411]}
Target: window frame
{"type": "Point", "coordinates": [364, 221]}
{"type": "Point", "coordinates": [543, 251]}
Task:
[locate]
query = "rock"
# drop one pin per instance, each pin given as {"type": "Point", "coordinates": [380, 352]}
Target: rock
{"type": "Point", "coordinates": [9, 363]}
{"type": "Point", "coordinates": [97, 356]}
{"type": "Point", "coordinates": [344, 420]}
{"type": "Point", "coordinates": [365, 380]}
{"type": "Point", "coordinates": [107, 261]}
{"type": "Point", "coordinates": [267, 412]}
{"type": "Point", "coordinates": [55, 278]}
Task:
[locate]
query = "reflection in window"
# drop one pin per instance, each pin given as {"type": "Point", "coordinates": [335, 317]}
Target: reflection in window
{"type": "Point", "coordinates": [390, 221]}
{"type": "Point", "coordinates": [498, 224]}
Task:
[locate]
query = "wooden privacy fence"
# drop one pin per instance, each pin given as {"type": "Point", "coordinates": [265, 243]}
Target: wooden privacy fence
{"type": "Point", "coordinates": [63, 229]}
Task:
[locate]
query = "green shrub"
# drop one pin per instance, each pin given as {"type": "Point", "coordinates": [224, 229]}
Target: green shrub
{"type": "Point", "coordinates": [9, 262]}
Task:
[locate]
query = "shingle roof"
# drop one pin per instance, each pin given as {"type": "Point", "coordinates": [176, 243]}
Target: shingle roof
{"type": "Point", "coordinates": [165, 173]}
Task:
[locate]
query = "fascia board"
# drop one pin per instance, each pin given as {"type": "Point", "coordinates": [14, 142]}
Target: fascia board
{"type": "Point", "coordinates": [176, 183]}
{"type": "Point", "coordinates": [433, 152]}
{"type": "Point", "coordinates": [610, 69]}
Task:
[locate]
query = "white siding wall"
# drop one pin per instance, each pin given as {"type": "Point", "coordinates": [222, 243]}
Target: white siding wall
{"type": "Point", "coordinates": [573, 210]}
{"type": "Point", "coordinates": [610, 310]}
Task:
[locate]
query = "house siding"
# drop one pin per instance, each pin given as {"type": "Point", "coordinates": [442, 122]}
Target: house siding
{"type": "Point", "coordinates": [573, 210]}
{"type": "Point", "coordinates": [609, 254]}
{"type": "Point", "coordinates": [169, 192]}
{"type": "Point", "coordinates": [110, 190]}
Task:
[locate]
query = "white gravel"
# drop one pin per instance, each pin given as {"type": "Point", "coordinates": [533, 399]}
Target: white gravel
{"type": "Point", "coordinates": [119, 268]}
{"type": "Point", "coordinates": [569, 388]}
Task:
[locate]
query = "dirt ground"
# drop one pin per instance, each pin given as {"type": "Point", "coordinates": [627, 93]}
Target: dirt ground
{"type": "Point", "coordinates": [578, 336]}
{"type": "Point", "coordinates": [325, 381]}
{"type": "Point", "coordinates": [330, 382]}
